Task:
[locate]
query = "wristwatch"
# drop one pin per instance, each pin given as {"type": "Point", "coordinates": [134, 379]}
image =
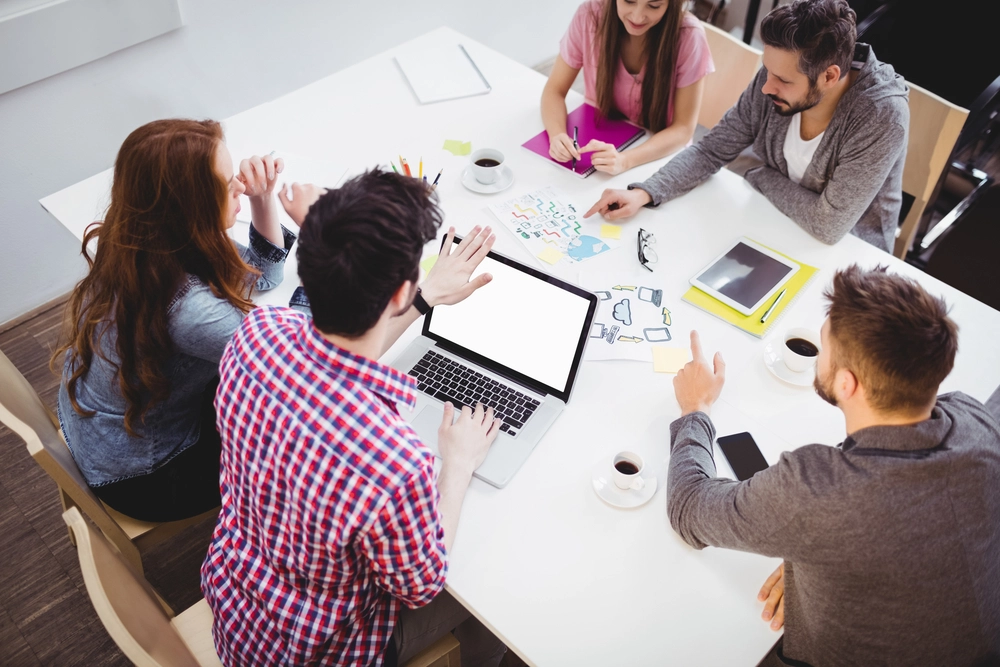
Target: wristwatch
{"type": "Point", "coordinates": [420, 303]}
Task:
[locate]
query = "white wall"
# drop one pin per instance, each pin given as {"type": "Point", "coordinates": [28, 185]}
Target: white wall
{"type": "Point", "coordinates": [230, 56]}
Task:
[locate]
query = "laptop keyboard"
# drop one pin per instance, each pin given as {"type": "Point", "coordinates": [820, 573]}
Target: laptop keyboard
{"type": "Point", "coordinates": [448, 380]}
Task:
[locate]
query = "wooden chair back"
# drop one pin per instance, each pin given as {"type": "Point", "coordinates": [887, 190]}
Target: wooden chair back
{"type": "Point", "coordinates": [23, 412]}
{"type": "Point", "coordinates": [736, 64]}
{"type": "Point", "coordinates": [125, 603]}
{"type": "Point", "coordinates": [935, 124]}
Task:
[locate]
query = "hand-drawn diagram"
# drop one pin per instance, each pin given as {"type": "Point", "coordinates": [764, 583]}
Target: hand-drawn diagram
{"type": "Point", "coordinates": [636, 323]}
{"type": "Point", "coordinates": [545, 219]}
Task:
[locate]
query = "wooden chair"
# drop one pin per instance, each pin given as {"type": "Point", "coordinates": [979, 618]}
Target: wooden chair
{"type": "Point", "coordinates": [23, 412]}
{"type": "Point", "coordinates": [145, 629]}
{"type": "Point", "coordinates": [935, 124]}
{"type": "Point", "coordinates": [736, 64]}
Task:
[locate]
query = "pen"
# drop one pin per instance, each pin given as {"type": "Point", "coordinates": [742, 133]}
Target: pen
{"type": "Point", "coordinates": [406, 167]}
{"type": "Point", "coordinates": [436, 178]}
{"type": "Point", "coordinates": [576, 132]}
{"type": "Point", "coordinates": [420, 174]}
{"type": "Point", "coordinates": [770, 310]}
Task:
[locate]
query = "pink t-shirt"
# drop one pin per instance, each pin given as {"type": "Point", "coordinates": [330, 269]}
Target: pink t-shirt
{"type": "Point", "coordinates": [580, 48]}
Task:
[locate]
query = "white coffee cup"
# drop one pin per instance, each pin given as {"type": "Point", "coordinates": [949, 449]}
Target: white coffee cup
{"type": "Point", "coordinates": [489, 174]}
{"type": "Point", "coordinates": [794, 359]}
{"type": "Point", "coordinates": [628, 480]}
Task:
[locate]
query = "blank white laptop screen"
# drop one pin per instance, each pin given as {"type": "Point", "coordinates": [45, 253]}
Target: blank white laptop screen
{"type": "Point", "coordinates": [519, 321]}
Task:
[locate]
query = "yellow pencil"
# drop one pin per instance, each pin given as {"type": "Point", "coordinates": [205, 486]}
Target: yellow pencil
{"type": "Point", "coordinates": [420, 174]}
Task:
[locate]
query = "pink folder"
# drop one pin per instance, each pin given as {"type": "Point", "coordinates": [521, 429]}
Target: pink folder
{"type": "Point", "coordinates": [591, 126]}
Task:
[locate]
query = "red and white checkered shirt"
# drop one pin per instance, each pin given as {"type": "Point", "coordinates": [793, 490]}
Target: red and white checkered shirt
{"type": "Point", "coordinates": [329, 501]}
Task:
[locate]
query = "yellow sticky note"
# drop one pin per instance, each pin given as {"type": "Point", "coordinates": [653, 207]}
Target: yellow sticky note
{"type": "Point", "coordinates": [456, 147]}
{"type": "Point", "coordinates": [428, 264]}
{"type": "Point", "coordinates": [550, 255]}
{"type": "Point", "coordinates": [611, 231]}
{"type": "Point", "coordinates": [669, 359]}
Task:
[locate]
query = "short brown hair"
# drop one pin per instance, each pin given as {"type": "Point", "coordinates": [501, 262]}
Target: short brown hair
{"type": "Point", "coordinates": [823, 33]}
{"type": "Point", "coordinates": [895, 337]}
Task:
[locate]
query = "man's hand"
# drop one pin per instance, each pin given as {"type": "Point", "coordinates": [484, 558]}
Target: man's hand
{"type": "Point", "coordinates": [561, 148]}
{"type": "Point", "coordinates": [464, 444]}
{"type": "Point", "coordinates": [448, 280]}
{"type": "Point", "coordinates": [772, 594]}
{"type": "Point", "coordinates": [260, 174]}
{"type": "Point", "coordinates": [303, 196]}
{"type": "Point", "coordinates": [606, 157]}
{"type": "Point", "coordinates": [698, 385]}
{"type": "Point", "coordinates": [619, 204]}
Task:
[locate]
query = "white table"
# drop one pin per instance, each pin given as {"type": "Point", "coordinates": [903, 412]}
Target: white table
{"type": "Point", "coordinates": [561, 577]}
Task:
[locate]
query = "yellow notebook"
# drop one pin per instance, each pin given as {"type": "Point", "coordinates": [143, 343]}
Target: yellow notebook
{"type": "Point", "coordinates": [751, 323]}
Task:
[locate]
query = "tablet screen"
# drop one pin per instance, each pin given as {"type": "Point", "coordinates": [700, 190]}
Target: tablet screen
{"type": "Point", "coordinates": [745, 275]}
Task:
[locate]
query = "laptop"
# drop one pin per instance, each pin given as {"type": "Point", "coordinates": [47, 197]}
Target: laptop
{"type": "Point", "coordinates": [515, 345]}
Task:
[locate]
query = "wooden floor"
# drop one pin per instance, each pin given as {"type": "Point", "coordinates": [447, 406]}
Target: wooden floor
{"type": "Point", "coordinates": [45, 615]}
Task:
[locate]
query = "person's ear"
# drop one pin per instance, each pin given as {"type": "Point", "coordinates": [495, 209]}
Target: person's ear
{"type": "Point", "coordinates": [831, 76]}
{"type": "Point", "coordinates": [403, 297]}
{"type": "Point", "coordinates": [846, 385]}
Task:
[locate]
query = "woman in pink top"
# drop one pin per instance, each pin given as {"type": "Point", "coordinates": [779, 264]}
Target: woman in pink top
{"type": "Point", "coordinates": [642, 59]}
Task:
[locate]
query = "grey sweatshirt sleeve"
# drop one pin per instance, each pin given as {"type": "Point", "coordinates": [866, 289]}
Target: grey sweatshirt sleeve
{"type": "Point", "coordinates": [870, 150]}
{"type": "Point", "coordinates": [696, 163]}
{"type": "Point", "coordinates": [758, 515]}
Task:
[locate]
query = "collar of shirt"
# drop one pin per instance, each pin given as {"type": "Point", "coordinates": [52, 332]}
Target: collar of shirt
{"type": "Point", "coordinates": [388, 383]}
{"type": "Point", "coordinates": [927, 434]}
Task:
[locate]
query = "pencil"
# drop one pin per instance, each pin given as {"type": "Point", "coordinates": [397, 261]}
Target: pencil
{"type": "Point", "coordinates": [576, 132]}
{"type": "Point", "coordinates": [420, 174]}
{"type": "Point", "coordinates": [406, 167]}
{"type": "Point", "coordinates": [436, 178]}
{"type": "Point", "coordinates": [393, 166]}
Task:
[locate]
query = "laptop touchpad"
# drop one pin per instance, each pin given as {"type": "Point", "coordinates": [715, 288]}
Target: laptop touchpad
{"type": "Point", "coordinates": [426, 424]}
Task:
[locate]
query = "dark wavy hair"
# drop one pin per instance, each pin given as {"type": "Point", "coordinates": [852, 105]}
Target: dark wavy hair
{"type": "Point", "coordinates": [895, 337]}
{"type": "Point", "coordinates": [359, 243]}
{"type": "Point", "coordinates": [823, 33]}
{"type": "Point", "coordinates": [166, 220]}
{"type": "Point", "coordinates": [662, 41]}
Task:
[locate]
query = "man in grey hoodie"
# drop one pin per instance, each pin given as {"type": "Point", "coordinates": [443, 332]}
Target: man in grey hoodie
{"type": "Point", "coordinates": [828, 120]}
{"type": "Point", "coordinates": [891, 539]}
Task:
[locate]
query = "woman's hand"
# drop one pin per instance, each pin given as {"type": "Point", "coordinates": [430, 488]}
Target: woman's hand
{"type": "Point", "coordinates": [561, 148]}
{"type": "Point", "coordinates": [606, 157]}
{"type": "Point", "coordinates": [259, 175]}
{"type": "Point", "coordinates": [303, 196]}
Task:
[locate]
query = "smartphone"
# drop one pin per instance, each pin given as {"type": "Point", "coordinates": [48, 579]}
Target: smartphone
{"type": "Point", "coordinates": [743, 455]}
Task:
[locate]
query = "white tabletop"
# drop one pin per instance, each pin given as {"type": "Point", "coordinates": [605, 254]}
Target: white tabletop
{"type": "Point", "coordinates": [561, 577]}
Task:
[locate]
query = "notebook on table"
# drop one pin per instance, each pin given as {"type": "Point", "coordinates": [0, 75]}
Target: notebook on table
{"type": "Point", "coordinates": [591, 125]}
{"type": "Point", "coordinates": [441, 72]}
{"type": "Point", "coordinates": [751, 323]}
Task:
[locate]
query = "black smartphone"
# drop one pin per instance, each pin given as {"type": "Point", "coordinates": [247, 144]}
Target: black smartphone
{"type": "Point", "coordinates": [743, 455]}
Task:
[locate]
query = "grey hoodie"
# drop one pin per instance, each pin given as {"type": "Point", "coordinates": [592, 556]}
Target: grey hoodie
{"type": "Point", "coordinates": [855, 180]}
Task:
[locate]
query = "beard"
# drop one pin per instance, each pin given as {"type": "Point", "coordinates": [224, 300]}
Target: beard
{"type": "Point", "coordinates": [824, 390]}
{"type": "Point", "coordinates": [813, 98]}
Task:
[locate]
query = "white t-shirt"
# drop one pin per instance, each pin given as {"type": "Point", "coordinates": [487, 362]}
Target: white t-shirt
{"type": "Point", "coordinates": [799, 153]}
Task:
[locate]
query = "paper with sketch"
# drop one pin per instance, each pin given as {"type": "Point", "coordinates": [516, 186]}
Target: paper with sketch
{"type": "Point", "coordinates": [552, 228]}
{"type": "Point", "coordinates": [632, 316]}
{"type": "Point", "coordinates": [298, 169]}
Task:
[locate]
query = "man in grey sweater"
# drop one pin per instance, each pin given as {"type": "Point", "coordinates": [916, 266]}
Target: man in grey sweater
{"type": "Point", "coordinates": [890, 540]}
{"type": "Point", "coordinates": [828, 120]}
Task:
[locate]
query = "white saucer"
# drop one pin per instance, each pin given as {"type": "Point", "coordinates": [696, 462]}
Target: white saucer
{"type": "Point", "coordinates": [504, 181]}
{"type": "Point", "coordinates": [605, 488]}
{"type": "Point", "coordinates": [773, 359]}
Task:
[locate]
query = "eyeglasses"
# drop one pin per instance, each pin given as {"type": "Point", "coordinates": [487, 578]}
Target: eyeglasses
{"type": "Point", "coordinates": [647, 255]}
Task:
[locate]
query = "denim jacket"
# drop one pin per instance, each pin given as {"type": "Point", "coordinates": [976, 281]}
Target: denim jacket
{"type": "Point", "coordinates": [200, 326]}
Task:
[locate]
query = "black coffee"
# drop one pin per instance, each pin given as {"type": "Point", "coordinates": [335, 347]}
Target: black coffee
{"type": "Point", "coordinates": [626, 467]}
{"type": "Point", "coordinates": [487, 162]}
{"type": "Point", "coordinates": [802, 347]}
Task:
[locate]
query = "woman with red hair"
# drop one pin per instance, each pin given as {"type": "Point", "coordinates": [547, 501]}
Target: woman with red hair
{"type": "Point", "coordinates": [146, 327]}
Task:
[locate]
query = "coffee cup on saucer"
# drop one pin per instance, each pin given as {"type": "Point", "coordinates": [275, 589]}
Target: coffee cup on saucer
{"type": "Point", "coordinates": [627, 471]}
{"type": "Point", "coordinates": [486, 165]}
{"type": "Point", "coordinates": [800, 349]}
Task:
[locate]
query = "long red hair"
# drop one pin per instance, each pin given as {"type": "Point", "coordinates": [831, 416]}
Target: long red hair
{"type": "Point", "coordinates": [166, 220]}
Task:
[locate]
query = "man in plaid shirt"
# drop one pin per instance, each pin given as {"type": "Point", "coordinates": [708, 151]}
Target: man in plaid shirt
{"type": "Point", "coordinates": [334, 525]}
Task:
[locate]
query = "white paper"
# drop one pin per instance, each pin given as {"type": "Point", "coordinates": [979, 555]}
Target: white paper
{"type": "Point", "coordinates": [633, 314]}
{"type": "Point", "coordinates": [440, 72]}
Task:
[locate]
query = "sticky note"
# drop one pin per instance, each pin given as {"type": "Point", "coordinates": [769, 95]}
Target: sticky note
{"type": "Point", "coordinates": [611, 231]}
{"type": "Point", "coordinates": [550, 255]}
{"type": "Point", "coordinates": [669, 359]}
{"type": "Point", "coordinates": [456, 147]}
{"type": "Point", "coordinates": [427, 264]}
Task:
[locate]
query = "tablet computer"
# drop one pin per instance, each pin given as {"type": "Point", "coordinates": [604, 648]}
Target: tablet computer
{"type": "Point", "coordinates": [745, 276]}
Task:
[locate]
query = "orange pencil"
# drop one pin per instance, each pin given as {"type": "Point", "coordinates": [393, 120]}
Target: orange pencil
{"type": "Point", "coordinates": [406, 167]}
